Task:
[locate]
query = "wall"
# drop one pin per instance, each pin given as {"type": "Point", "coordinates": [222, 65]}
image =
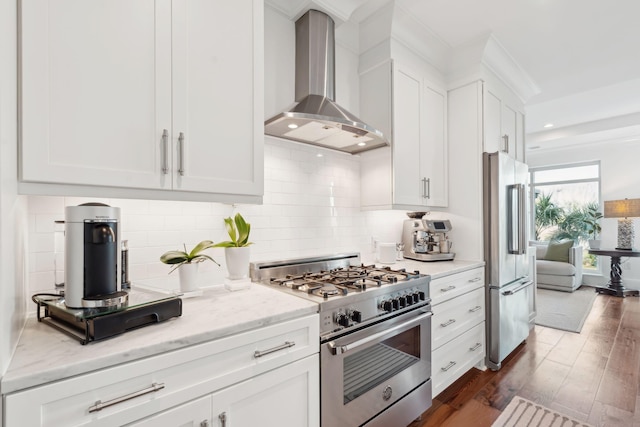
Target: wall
{"type": "Point", "coordinates": [12, 207]}
{"type": "Point", "coordinates": [311, 207]}
{"type": "Point", "coordinates": [619, 179]}
{"type": "Point", "coordinates": [311, 204]}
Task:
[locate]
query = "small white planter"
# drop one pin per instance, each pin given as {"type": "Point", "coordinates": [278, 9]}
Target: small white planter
{"type": "Point", "coordinates": [188, 277]}
{"type": "Point", "coordinates": [237, 262]}
{"type": "Point", "coordinates": [594, 243]}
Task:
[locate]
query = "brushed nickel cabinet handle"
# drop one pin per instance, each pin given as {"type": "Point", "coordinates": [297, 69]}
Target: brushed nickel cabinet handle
{"type": "Point", "coordinates": [223, 419]}
{"type": "Point", "coordinates": [181, 144]}
{"type": "Point", "coordinates": [505, 138]}
{"type": "Point", "coordinates": [99, 406]}
{"type": "Point", "coordinates": [475, 279]}
{"type": "Point", "coordinates": [165, 152]}
{"type": "Point", "coordinates": [449, 366]}
{"type": "Point", "coordinates": [447, 289]}
{"type": "Point", "coordinates": [450, 322]}
{"type": "Point", "coordinates": [204, 423]}
{"type": "Point", "coordinates": [428, 196]}
{"type": "Point", "coordinates": [286, 344]}
{"type": "Point", "coordinates": [474, 309]}
{"type": "Point", "coordinates": [475, 347]}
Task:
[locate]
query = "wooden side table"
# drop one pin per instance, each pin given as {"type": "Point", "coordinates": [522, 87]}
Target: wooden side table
{"type": "Point", "coordinates": [615, 286]}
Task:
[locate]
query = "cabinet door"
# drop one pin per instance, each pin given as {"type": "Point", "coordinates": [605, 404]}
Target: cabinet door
{"type": "Point", "coordinates": [492, 123]}
{"type": "Point", "coordinates": [196, 413]}
{"type": "Point", "coordinates": [433, 146]}
{"type": "Point", "coordinates": [95, 91]}
{"type": "Point", "coordinates": [285, 397]}
{"type": "Point", "coordinates": [407, 185]}
{"type": "Point", "coordinates": [520, 146]}
{"type": "Point", "coordinates": [509, 137]}
{"type": "Point", "coordinates": [218, 96]}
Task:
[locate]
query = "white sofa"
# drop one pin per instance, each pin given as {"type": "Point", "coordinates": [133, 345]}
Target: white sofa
{"type": "Point", "coordinates": [557, 275]}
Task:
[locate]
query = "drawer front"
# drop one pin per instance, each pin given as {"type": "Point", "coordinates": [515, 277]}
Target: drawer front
{"type": "Point", "coordinates": [445, 288]}
{"type": "Point", "coordinates": [456, 357]}
{"type": "Point", "coordinates": [151, 385]}
{"type": "Point", "coordinates": [455, 316]}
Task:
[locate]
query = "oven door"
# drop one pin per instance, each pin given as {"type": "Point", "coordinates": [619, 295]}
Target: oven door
{"type": "Point", "coordinates": [367, 371]}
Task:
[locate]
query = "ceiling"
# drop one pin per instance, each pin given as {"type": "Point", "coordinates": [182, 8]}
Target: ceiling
{"type": "Point", "coordinates": [584, 56]}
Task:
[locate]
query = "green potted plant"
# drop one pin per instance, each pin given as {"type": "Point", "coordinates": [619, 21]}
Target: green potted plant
{"type": "Point", "coordinates": [236, 250]}
{"type": "Point", "coordinates": [187, 262]}
{"type": "Point", "coordinates": [592, 219]}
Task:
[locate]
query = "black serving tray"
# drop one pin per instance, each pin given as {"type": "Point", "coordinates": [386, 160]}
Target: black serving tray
{"type": "Point", "coordinates": [144, 307]}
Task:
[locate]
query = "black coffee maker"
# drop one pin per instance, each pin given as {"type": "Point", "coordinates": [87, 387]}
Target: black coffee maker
{"type": "Point", "coordinates": [92, 256]}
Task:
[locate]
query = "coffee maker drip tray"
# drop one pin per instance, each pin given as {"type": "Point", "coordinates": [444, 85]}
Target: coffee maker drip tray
{"type": "Point", "coordinates": [430, 256]}
{"type": "Point", "coordinates": [143, 307]}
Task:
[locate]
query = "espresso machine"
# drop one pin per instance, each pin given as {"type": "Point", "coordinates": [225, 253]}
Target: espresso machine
{"type": "Point", "coordinates": [427, 239]}
{"type": "Point", "coordinates": [92, 253]}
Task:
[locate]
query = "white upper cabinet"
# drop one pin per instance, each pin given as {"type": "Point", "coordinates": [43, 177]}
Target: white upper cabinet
{"type": "Point", "coordinates": [143, 95]}
{"type": "Point", "coordinates": [504, 126]}
{"type": "Point", "coordinates": [411, 112]}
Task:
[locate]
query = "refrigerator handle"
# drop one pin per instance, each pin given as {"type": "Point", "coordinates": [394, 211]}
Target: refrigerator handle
{"type": "Point", "coordinates": [517, 233]}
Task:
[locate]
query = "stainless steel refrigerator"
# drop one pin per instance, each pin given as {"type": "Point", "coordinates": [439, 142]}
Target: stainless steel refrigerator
{"type": "Point", "coordinates": [509, 286]}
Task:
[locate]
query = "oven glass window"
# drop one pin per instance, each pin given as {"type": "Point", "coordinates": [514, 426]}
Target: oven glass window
{"type": "Point", "coordinates": [369, 367]}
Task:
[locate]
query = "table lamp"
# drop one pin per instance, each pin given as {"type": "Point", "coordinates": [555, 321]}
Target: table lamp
{"type": "Point", "coordinates": [624, 210]}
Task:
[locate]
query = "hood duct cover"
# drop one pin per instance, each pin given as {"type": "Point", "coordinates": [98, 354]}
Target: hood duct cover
{"type": "Point", "coordinates": [316, 119]}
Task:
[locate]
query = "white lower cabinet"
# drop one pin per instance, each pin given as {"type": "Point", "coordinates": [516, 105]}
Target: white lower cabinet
{"type": "Point", "coordinates": [270, 373]}
{"type": "Point", "coordinates": [458, 326]}
{"type": "Point", "coordinates": [263, 400]}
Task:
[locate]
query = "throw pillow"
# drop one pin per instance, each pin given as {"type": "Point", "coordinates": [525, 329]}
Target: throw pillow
{"type": "Point", "coordinates": [558, 251]}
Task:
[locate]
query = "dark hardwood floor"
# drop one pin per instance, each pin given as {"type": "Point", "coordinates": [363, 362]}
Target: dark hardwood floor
{"type": "Point", "coordinates": [592, 376]}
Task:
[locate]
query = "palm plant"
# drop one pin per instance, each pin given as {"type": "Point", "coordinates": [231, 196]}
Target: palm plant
{"type": "Point", "coordinates": [547, 214]}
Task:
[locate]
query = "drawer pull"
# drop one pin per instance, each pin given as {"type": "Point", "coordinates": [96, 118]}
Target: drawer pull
{"type": "Point", "coordinates": [204, 423]}
{"type": "Point", "coordinates": [445, 324]}
{"type": "Point", "coordinates": [447, 289]}
{"type": "Point", "coordinates": [223, 419]}
{"type": "Point", "coordinates": [99, 406]}
{"type": "Point", "coordinates": [449, 366]}
{"type": "Point", "coordinates": [475, 347]}
{"type": "Point", "coordinates": [474, 309]}
{"type": "Point", "coordinates": [474, 280]}
{"type": "Point", "coordinates": [286, 344]}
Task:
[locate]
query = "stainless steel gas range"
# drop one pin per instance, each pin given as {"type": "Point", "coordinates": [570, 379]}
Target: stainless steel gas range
{"type": "Point", "coordinates": [375, 336]}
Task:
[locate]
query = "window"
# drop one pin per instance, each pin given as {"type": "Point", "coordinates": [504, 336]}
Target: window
{"type": "Point", "coordinates": [563, 197]}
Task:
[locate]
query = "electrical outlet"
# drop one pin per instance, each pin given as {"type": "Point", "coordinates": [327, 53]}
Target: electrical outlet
{"type": "Point", "coordinates": [374, 245]}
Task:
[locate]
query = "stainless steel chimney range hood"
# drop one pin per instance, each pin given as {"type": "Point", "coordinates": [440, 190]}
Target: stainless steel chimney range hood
{"type": "Point", "coordinates": [316, 119]}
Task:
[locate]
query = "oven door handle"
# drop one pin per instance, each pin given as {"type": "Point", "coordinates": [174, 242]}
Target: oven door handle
{"type": "Point", "coordinates": [343, 348]}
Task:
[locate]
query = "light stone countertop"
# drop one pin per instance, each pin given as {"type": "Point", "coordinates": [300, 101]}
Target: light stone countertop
{"type": "Point", "coordinates": [44, 354]}
{"type": "Point", "coordinates": [436, 269]}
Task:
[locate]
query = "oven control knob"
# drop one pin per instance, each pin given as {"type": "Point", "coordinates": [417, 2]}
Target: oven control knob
{"type": "Point", "coordinates": [356, 316]}
{"type": "Point", "coordinates": [421, 295]}
{"type": "Point", "coordinates": [395, 303]}
{"type": "Point", "coordinates": [402, 301]}
{"type": "Point", "coordinates": [409, 298]}
{"type": "Point", "coordinates": [342, 320]}
{"type": "Point", "coordinates": [386, 306]}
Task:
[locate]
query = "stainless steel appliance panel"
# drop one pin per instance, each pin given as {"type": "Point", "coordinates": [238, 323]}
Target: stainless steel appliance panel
{"type": "Point", "coordinates": [366, 372]}
{"type": "Point", "coordinates": [505, 247]}
{"type": "Point", "coordinates": [512, 325]}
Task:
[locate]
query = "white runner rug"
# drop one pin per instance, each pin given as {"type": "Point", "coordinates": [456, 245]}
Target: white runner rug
{"type": "Point", "coordinates": [564, 310]}
{"type": "Point", "coordinates": [521, 412]}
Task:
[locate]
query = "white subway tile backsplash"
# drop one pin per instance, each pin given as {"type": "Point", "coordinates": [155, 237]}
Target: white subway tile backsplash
{"type": "Point", "coordinates": [311, 207]}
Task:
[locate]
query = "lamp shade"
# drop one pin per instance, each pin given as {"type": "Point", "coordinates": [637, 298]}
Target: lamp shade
{"type": "Point", "coordinates": [626, 208]}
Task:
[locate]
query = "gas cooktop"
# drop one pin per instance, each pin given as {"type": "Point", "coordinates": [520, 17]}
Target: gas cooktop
{"type": "Point", "coordinates": [349, 293]}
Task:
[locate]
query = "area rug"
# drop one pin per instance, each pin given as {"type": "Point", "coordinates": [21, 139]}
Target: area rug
{"type": "Point", "coordinates": [564, 310]}
{"type": "Point", "coordinates": [521, 412]}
